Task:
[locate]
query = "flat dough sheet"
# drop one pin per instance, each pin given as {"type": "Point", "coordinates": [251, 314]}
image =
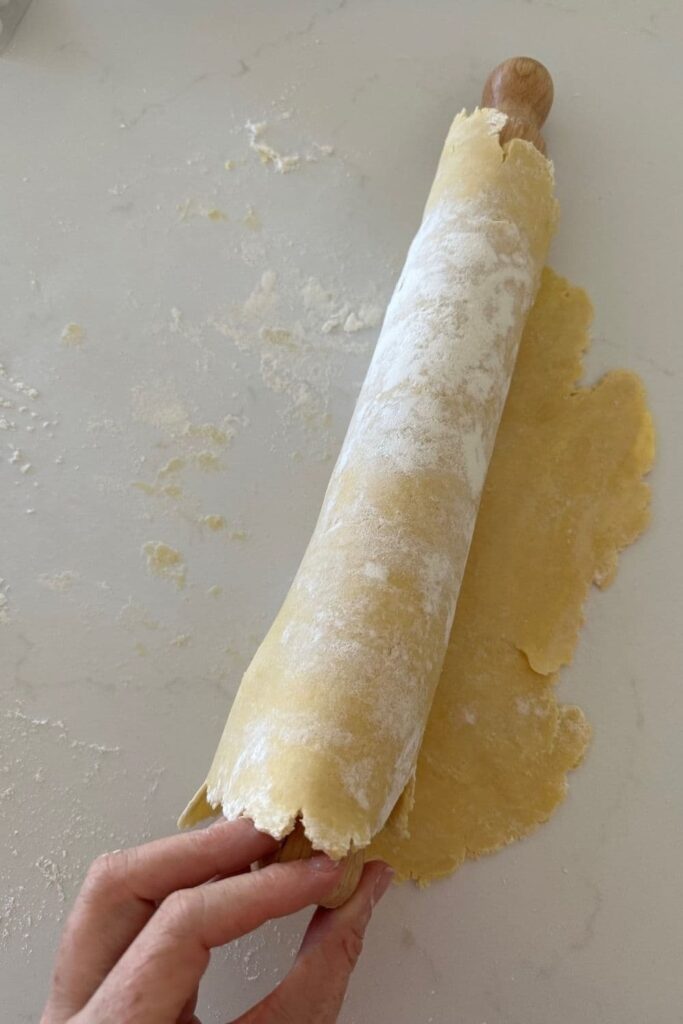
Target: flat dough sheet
{"type": "Point", "coordinates": [564, 494]}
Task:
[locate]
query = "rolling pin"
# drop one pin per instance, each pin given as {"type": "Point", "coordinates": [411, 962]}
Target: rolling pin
{"type": "Point", "coordinates": [321, 743]}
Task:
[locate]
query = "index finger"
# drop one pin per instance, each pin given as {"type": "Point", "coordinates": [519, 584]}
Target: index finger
{"type": "Point", "coordinates": [164, 965]}
{"type": "Point", "coordinates": [121, 893]}
{"type": "Point", "coordinates": [153, 871]}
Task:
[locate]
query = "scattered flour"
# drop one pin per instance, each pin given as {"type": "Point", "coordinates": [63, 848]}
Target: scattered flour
{"type": "Point", "coordinates": [302, 337]}
{"type": "Point", "coordinates": [18, 459]}
{"type": "Point", "coordinates": [36, 754]}
{"type": "Point", "coordinates": [134, 616]}
{"type": "Point", "coordinates": [158, 405]}
{"type": "Point", "coordinates": [17, 385]}
{"type": "Point", "coordinates": [59, 581]}
{"type": "Point", "coordinates": [191, 208]}
{"type": "Point", "coordinates": [294, 357]}
{"type": "Point", "coordinates": [267, 155]}
{"type": "Point", "coordinates": [198, 445]}
{"type": "Point", "coordinates": [282, 162]}
{"type": "Point", "coordinates": [4, 603]}
{"type": "Point", "coordinates": [263, 298]}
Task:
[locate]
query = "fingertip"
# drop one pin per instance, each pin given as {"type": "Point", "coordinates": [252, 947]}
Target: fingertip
{"type": "Point", "coordinates": [375, 880]}
{"type": "Point", "coordinates": [226, 835]}
{"type": "Point", "coordinates": [322, 863]}
{"type": "Point", "coordinates": [356, 911]}
{"type": "Point", "coordinates": [300, 882]}
{"type": "Point", "coordinates": [240, 826]}
{"type": "Point", "coordinates": [382, 880]}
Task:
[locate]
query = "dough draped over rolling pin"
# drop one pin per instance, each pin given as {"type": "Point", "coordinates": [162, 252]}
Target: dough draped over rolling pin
{"type": "Point", "coordinates": [327, 723]}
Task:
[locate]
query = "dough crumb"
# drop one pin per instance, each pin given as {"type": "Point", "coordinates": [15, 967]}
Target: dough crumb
{"type": "Point", "coordinates": [214, 522]}
{"type": "Point", "coordinates": [173, 465]}
{"type": "Point", "coordinates": [210, 432]}
{"type": "Point", "coordinates": [207, 461]}
{"type": "Point", "coordinates": [165, 561]}
{"type": "Point", "coordinates": [182, 640]}
{"type": "Point", "coordinates": [251, 219]}
{"type": "Point", "coordinates": [73, 334]}
{"type": "Point", "coordinates": [192, 208]}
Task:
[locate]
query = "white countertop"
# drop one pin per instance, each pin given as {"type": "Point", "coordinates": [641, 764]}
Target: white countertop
{"type": "Point", "coordinates": [117, 121]}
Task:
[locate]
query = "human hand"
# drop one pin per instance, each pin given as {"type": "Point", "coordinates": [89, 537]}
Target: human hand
{"type": "Point", "coordinates": [140, 935]}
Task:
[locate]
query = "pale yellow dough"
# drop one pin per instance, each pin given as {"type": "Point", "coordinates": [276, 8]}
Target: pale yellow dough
{"type": "Point", "coordinates": [329, 717]}
{"type": "Point", "coordinates": [564, 494]}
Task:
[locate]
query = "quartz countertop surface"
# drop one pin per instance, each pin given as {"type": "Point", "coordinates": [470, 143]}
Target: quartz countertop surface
{"type": "Point", "coordinates": [204, 208]}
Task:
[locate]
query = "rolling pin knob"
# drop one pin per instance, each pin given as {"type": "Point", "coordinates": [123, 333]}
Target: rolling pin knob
{"type": "Point", "coordinates": [522, 88]}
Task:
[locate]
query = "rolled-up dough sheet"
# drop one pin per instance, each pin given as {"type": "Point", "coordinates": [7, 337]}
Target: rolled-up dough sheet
{"type": "Point", "coordinates": [329, 717]}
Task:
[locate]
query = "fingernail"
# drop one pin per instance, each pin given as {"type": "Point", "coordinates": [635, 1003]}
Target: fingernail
{"type": "Point", "coordinates": [382, 883]}
{"type": "Point", "coordinates": [321, 862]}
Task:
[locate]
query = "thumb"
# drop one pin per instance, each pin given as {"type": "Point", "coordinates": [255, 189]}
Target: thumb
{"type": "Point", "coordinates": [314, 989]}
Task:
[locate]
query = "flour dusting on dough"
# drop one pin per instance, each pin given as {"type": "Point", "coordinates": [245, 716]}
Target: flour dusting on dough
{"type": "Point", "coordinates": [352, 655]}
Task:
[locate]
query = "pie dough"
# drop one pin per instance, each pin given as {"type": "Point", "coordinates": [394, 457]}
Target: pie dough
{"type": "Point", "coordinates": [564, 494]}
{"type": "Point", "coordinates": [328, 721]}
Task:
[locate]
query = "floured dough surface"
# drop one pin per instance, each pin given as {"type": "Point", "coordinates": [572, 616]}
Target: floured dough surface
{"type": "Point", "coordinates": [564, 494]}
{"type": "Point", "coordinates": [328, 720]}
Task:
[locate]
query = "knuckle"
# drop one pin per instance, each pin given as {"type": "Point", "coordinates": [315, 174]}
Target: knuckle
{"type": "Point", "coordinates": [351, 944]}
{"type": "Point", "coordinates": [180, 908]}
{"type": "Point", "coordinates": [105, 873]}
{"type": "Point", "coordinates": [277, 1011]}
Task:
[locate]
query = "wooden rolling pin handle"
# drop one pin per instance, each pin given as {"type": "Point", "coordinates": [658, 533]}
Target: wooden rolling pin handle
{"type": "Point", "coordinates": [297, 847]}
{"type": "Point", "coordinates": [523, 89]}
